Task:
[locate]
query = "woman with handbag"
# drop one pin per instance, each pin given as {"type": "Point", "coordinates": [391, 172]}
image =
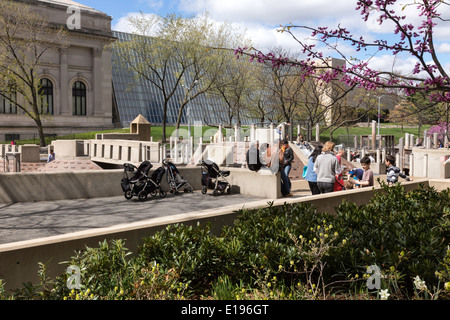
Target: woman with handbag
{"type": "Point", "coordinates": [310, 175]}
{"type": "Point", "coordinates": [327, 168]}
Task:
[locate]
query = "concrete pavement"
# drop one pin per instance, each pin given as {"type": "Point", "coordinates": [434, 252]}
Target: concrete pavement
{"type": "Point", "coordinates": [28, 221]}
{"type": "Point", "coordinates": [34, 220]}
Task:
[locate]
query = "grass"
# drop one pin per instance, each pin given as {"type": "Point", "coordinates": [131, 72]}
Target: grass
{"type": "Point", "coordinates": [385, 129]}
{"type": "Point", "coordinates": [156, 134]}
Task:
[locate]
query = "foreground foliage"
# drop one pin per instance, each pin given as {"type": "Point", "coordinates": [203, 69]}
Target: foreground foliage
{"type": "Point", "coordinates": [287, 252]}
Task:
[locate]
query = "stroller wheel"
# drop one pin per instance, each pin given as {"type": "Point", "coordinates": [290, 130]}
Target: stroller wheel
{"type": "Point", "coordinates": [188, 190]}
{"type": "Point", "coordinates": [162, 193]}
{"type": "Point", "coordinates": [128, 194]}
{"type": "Point", "coordinates": [153, 193]}
{"type": "Point", "coordinates": [204, 190]}
{"type": "Point", "coordinates": [142, 195]}
{"type": "Point", "coordinates": [215, 193]}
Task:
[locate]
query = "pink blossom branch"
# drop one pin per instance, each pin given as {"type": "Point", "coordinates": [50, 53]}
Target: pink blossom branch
{"type": "Point", "coordinates": [417, 41]}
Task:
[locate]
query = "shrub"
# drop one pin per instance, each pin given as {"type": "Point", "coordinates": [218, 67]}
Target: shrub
{"type": "Point", "coordinates": [285, 252]}
{"type": "Point", "coordinates": [396, 231]}
{"type": "Point", "coordinates": [193, 251]}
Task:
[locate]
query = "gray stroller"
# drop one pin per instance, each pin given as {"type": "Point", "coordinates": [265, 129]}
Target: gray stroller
{"type": "Point", "coordinates": [175, 180]}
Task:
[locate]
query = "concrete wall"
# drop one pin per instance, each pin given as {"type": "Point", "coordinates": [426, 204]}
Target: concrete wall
{"type": "Point", "coordinates": [68, 149]}
{"type": "Point", "coordinates": [427, 163]}
{"type": "Point", "coordinates": [19, 261]}
{"type": "Point", "coordinates": [50, 186]}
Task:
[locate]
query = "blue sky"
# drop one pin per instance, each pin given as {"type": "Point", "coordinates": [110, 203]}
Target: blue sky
{"type": "Point", "coordinates": [262, 18]}
{"type": "Point", "coordinates": [119, 9]}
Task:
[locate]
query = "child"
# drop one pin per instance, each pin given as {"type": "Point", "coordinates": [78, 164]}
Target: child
{"type": "Point", "coordinates": [355, 174]}
{"type": "Point", "coordinates": [367, 179]}
{"type": "Point", "coordinates": [393, 172]}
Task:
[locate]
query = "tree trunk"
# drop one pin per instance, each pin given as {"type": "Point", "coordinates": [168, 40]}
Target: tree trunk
{"type": "Point", "coordinates": [37, 119]}
{"type": "Point", "coordinates": [180, 114]}
{"type": "Point", "coordinates": [164, 123]}
{"type": "Point", "coordinates": [40, 131]}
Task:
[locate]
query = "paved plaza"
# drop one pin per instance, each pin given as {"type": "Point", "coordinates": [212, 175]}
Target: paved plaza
{"type": "Point", "coordinates": [27, 221]}
{"type": "Point", "coordinates": [34, 220]}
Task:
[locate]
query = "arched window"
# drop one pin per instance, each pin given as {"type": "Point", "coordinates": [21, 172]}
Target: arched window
{"type": "Point", "coordinates": [79, 98]}
{"type": "Point", "coordinates": [8, 103]}
{"type": "Point", "coordinates": [46, 94]}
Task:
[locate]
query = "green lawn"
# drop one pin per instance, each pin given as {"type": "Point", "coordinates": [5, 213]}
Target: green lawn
{"type": "Point", "coordinates": [384, 130]}
{"type": "Point", "coordinates": [156, 134]}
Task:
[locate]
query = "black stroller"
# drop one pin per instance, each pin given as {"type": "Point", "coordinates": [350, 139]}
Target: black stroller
{"type": "Point", "coordinates": [213, 178]}
{"type": "Point", "coordinates": [175, 180]}
{"type": "Point", "coordinates": [136, 181]}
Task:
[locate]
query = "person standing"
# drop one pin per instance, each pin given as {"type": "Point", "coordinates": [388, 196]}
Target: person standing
{"type": "Point", "coordinates": [327, 167]}
{"type": "Point", "coordinates": [286, 158]}
{"type": "Point", "coordinates": [311, 176]}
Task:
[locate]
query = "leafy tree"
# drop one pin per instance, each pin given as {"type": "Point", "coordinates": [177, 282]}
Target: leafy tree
{"type": "Point", "coordinates": [25, 39]}
{"type": "Point", "coordinates": [177, 53]}
{"type": "Point", "coordinates": [402, 114]}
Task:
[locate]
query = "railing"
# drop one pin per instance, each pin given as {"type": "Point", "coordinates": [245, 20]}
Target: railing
{"type": "Point", "coordinates": [121, 151]}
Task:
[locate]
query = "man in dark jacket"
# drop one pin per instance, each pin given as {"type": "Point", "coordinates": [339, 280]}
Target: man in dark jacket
{"type": "Point", "coordinates": [286, 158]}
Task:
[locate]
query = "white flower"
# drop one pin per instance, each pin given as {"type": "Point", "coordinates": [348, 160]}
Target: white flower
{"type": "Point", "coordinates": [420, 284]}
{"type": "Point", "coordinates": [384, 295]}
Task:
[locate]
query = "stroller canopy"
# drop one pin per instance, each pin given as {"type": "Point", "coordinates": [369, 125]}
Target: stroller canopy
{"type": "Point", "coordinates": [143, 170]}
{"type": "Point", "coordinates": [158, 174]}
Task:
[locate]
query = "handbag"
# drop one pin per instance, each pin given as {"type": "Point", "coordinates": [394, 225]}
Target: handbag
{"type": "Point", "coordinates": [305, 168]}
{"type": "Point", "coordinates": [339, 184]}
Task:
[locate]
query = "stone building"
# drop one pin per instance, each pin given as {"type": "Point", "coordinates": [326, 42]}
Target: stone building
{"type": "Point", "coordinates": [76, 80]}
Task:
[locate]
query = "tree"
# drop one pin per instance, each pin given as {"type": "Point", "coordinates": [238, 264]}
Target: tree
{"type": "Point", "coordinates": [231, 88]}
{"type": "Point", "coordinates": [402, 114]}
{"type": "Point", "coordinates": [25, 39]}
{"type": "Point", "coordinates": [333, 105]}
{"type": "Point", "coordinates": [233, 84]}
{"type": "Point", "coordinates": [261, 103]}
{"type": "Point", "coordinates": [176, 54]}
{"type": "Point", "coordinates": [286, 86]}
{"type": "Point", "coordinates": [414, 40]}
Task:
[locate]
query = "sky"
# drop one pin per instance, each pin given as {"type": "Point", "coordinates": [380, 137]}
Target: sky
{"type": "Point", "coordinates": [262, 18]}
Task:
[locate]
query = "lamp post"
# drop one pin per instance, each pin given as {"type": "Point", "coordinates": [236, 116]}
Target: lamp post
{"type": "Point", "coordinates": [379, 111]}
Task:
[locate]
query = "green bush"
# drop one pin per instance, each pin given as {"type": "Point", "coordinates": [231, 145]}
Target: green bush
{"type": "Point", "coordinates": [193, 251]}
{"type": "Point", "coordinates": [285, 252]}
{"type": "Point", "coordinates": [406, 232]}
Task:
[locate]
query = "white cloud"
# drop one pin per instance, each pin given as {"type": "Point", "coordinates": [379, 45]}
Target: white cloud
{"type": "Point", "coordinates": [443, 48]}
{"type": "Point", "coordinates": [124, 25]}
{"type": "Point", "coordinates": [262, 18]}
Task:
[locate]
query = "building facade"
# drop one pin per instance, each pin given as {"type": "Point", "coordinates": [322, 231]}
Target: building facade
{"type": "Point", "coordinates": [75, 79]}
